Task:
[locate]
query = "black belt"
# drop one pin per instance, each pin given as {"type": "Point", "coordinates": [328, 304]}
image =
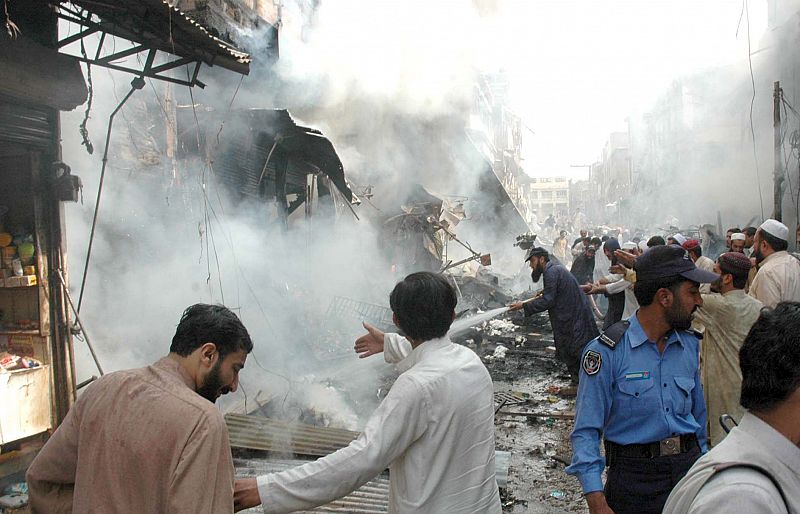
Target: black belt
{"type": "Point", "coordinates": [670, 446]}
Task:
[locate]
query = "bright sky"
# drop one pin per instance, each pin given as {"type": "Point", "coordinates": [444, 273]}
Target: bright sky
{"type": "Point", "coordinates": [579, 67]}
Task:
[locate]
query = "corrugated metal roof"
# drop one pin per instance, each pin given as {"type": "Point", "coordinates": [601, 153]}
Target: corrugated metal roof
{"type": "Point", "coordinates": [371, 498]}
{"type": "Point", "coordinates": [272, 435]}
{"type": "Point", "coordinates": [157, 24]}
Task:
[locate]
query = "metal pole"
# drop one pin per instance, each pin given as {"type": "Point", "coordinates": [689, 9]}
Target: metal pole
{"type": "Point", "coordinates": [137, 83]}
{"type": "Point", "coordinates": [778, 177]}
{"type": "Point", "coordinates": [79, 322]}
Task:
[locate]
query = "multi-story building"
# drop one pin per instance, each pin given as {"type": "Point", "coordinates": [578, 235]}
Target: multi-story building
{"type": "Point", "coordinates": [549, 195]}
{"type": "Point", "coordinates": [612, 175]}
{"type": "Point", "coordinates": [498, 134]}
{"type": "Point", "coordinates": [582, 196]}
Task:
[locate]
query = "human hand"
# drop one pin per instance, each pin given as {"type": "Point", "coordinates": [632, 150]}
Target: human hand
{"type": "Point", "coordinates": [245, 494]}
{"type": "Point", "coordinates": [370, 343]}
{"type": "Point", "coordinates": [617, 269]}
{"type": "Point", "coordinates": [514, 306]}
{"type": "Point", "coordinates": [625, 258]}
{"type": "Point", "coordinates": [597, 503]}
{"type": "Point", "coordinates": [587, 288]}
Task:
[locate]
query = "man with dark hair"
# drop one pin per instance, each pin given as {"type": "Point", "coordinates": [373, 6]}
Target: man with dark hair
{"type": "Point", "coordinates": [749, 240]}
{"type": "Point", "coordinates": [725, 319]}
{"type": "Point", "coordinates": [150, 439]}
{"type": "Point", "coordinates": [756, 468]}
{"type": "Point", "coordinates": [695, 252]}
{"type": "Point", "coordinates": [434, 430]}
{"type": "Point", "coordinates": [778, 276]}
{"type": "Point", "coordinates": [656, 241]}
{"type": "Point", "coordinates": [692, 247]}
{"type": "Point", "coordinates": [583, 266]}
{"type": "Point", "coordinates": [738, 240]}
{"type": "Point", "coordinates": [581, 243]}
{"type": "Point", "coordinates": [728, 235]}
{"type": "Point", "coordinates": [567, 306]}
{"type": "Point", "coordinates": [640, 391]}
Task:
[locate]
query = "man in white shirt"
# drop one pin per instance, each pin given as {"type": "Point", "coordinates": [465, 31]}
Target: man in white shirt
{"type": "Point", "coordinates": [778, 277]}
{"type": "Point", "coordinates": [434, 430]}
{"type": "Point", "coordinates": [756, 468]}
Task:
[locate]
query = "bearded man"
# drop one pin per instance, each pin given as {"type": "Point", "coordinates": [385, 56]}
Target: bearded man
{"type": "Point", "coordinates": [568, 307]}
{"type": "Point", "coordinates": [778, 277]}
{"type": "Point", "coordinates": [640, 392]}
{"type": "Point", "coordinates": [150, 440]}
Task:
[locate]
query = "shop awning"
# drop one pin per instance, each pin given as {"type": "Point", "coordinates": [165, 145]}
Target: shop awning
{"type": "Point", "coordinates": [151, 26]}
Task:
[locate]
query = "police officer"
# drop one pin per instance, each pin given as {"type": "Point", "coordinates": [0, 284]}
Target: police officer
{"type": "Point", "coordinates": [640, 391]}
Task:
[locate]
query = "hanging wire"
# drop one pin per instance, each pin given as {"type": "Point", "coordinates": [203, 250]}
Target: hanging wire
{"type": "Point", "coordinates": [752, 103]}
{"type": "Point", "coordinates": [136, 83]}
{"type": "Point", "coordinates": [82, 128]}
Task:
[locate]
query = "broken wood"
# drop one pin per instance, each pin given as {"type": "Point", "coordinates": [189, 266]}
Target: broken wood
{"type": "Point", "coordinates": [554, 415]}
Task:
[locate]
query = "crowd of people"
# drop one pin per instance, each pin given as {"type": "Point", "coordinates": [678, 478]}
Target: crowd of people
{"type": "Point", "coordinates": [671, 366]}
{"type": "Point", "coordinates": [687, 341]}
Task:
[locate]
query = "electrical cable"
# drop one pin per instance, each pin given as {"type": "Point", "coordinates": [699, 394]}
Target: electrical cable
{"type": "Point", "coordinates": [136, 83]}
{"type": "Point", "coordinates": [90, 86]}
{"type": "Point", "coordinates": [752, 103]}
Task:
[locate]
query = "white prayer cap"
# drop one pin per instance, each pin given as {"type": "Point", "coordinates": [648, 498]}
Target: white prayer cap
{"type": "Point", "coordinates": [775, 228]}
{"type": "Point", "coordinates": [679, 238]}
{"type": "Point", "coordinates": [738, 236]}
{"type": "Point", "coordinates": [630, 245]}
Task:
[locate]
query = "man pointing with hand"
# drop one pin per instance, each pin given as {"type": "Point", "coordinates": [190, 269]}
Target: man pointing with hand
{"type": "Point", "coordinates": [434, 430]}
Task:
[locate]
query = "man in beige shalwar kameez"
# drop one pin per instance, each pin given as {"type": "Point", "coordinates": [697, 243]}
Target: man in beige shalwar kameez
{"type": "Point", "coordinates": [727, 318]}
{"type": "Point", "coordinates": [150, 440]}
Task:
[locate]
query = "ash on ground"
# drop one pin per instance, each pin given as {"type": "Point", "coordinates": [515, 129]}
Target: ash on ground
{"type": "Point", "coordinates": [520, 356]}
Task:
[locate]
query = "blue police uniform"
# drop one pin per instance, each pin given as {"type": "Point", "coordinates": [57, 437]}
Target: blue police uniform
{"type": "Point", "coordinates": [630, 394]}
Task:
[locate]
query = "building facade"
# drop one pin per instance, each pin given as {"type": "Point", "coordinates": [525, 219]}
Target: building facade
{"type": "Point", "coordinates": [549, 195]}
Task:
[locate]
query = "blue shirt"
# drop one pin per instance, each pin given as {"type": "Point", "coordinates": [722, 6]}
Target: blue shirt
{"type": "Point", "coordinates": [568, 308]}
{"type": "Point", "coordinates": [636, 396]}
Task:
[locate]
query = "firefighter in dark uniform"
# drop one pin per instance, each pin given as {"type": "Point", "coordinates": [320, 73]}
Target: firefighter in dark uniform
{"type": "Point", "coordinates": [640, 392]}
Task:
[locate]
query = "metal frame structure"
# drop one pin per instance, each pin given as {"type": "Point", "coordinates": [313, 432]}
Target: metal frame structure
{"type": "Point", "coordinates": [84, 20]}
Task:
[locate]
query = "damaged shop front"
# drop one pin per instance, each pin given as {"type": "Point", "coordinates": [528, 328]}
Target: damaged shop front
{"type": "Point", "coordinates": [37, 383]}
{"type": "Point", "coordinates": [263, 156]}
{"type": "Point", "coordinates": [40, 53]}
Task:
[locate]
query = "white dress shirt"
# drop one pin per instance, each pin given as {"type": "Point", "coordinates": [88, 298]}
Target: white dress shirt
{"type": "Point", "coordinates": [434, 431]}
{"type": "Point", "coordinates": [777, 280]}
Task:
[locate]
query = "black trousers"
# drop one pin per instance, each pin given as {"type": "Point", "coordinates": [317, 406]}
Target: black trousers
{"type": "Point", "coordinates": [616, 307]}
{"type": "Point", "coordinates": [641, 486]}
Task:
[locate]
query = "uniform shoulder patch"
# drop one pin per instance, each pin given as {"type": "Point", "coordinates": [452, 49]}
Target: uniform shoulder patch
{"type": "Point", "coordinates": [614, 334]}
{"type": "Point", "coordinates": [592, 361]}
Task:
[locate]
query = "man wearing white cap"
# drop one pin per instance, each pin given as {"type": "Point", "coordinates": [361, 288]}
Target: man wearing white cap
{"type": "Point", "coordinates": [738, 241]}
{"type": "Point", "coordinates": [676, 239]}
{"type": "Point", "coordinates": [778, 277]}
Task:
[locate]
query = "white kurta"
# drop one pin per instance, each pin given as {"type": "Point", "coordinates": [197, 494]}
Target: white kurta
{"type": "Point", "coordinates": [777, 280]}
{"type": "Point", "coordinates": [434, 431]}
{"type": "Point", "coordinates": [601, 263]}
{"type": "Point", "coordinates": [620, 284]}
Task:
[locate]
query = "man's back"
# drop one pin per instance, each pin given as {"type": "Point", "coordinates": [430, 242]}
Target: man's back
{"type": "Point", "coordinates": [727, 320]}
{"type": "Point", "coordinates": [139, 440]}
{"type": "Point", "coordinates": [457, 448]}
{"type": "Point", "coordinates": [777, 280]}
{"type": "Point", "coordinates": [434, 430]}
{"type": "Point", "coordinates": [742, 489]}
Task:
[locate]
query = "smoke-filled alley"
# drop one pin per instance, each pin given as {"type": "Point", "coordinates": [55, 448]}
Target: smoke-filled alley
{"type": "Point", "coordinates": [456, 256]}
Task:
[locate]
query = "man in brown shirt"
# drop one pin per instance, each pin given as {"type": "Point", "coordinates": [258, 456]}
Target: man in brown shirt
{"type": "Point", "coordinates": [150, 440]}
